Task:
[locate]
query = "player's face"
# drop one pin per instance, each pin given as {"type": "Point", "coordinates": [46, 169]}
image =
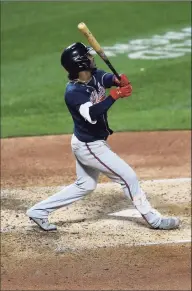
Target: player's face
{"type": "Point", "coordinates": [91, 58]}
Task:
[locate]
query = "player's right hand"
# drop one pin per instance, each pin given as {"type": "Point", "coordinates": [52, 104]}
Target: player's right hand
{"type": "Point", "coordinates": [121, 92]}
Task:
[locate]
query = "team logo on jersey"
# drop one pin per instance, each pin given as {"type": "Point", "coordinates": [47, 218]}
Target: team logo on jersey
{"type": "Point", "coordinates": [99, 96]}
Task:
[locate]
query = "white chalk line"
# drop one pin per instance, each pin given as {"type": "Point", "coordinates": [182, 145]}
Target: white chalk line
{"type": "Point", "coordinates": [130, 245]}
{"type": "Point", "coordinates": [162, 243]}
{"type": "Point", "coordinates": [129, 212]}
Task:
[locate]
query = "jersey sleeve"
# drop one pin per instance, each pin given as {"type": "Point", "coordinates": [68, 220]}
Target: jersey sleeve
{"type": "Point", "coordinates": [75, 99]}
{"type": "Point", "coordinates": [80, 102]}
{"type": "Point", "coordinates": [106, 79]}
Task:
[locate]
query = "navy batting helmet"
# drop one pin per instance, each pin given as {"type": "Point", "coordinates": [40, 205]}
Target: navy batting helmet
{"type": "Point", "coordinates": [75, 59]}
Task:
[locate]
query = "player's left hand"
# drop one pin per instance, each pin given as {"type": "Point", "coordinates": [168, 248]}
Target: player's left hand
{"type": "Point", "coordinates": [123, 82]}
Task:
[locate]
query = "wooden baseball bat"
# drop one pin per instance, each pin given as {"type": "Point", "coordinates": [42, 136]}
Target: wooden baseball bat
{"type": "Point", "coordinates": [96, 46]}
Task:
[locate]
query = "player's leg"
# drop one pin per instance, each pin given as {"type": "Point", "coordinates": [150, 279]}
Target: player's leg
{"type": "Point", "coordinates": [99, 156]}
{"type": "Point", "coordinates": [86, 182]}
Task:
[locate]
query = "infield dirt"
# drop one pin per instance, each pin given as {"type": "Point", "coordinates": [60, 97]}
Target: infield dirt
{"type": "Point", "coordinates": [92, 250]}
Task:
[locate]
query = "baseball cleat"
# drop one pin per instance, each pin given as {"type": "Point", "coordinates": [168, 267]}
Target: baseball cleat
{"type": "Point", "coordinates": [43, 223]}
{"type": "Point", "coordinates": [169, 223]}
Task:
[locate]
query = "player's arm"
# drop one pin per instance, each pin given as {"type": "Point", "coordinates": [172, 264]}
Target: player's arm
{"type": "Point", "coordinates": [100, 108]}
{"type": "Point", "coordinates": [91, 112]}
{"type": "Point", "coordinates": [78, 101]}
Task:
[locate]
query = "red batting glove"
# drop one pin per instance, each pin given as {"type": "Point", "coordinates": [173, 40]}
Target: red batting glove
{"type": "Point", "coordinates": [123, 82]}
{"type": "Point", "coordinates": [121, 92]}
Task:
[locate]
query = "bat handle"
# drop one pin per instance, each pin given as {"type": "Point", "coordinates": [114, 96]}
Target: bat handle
{"type": "Point", "coordinates": [113, 70]}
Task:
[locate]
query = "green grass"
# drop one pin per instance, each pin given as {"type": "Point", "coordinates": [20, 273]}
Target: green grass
{"type": "Point", "coordinates": [33, 34]}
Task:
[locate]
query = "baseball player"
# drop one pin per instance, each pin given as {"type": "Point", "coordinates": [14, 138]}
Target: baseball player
{"type": "Point", "coordinates": [85, 97]}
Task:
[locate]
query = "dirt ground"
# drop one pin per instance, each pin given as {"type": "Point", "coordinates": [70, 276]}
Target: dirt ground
{"type": "Point", "coordinates": [92, 250]}
{"type": "Point", "coordinates": [49, 160]}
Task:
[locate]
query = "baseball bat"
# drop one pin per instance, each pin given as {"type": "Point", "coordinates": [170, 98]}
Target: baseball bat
{"type": "Point", "coordinates": [96, 46]}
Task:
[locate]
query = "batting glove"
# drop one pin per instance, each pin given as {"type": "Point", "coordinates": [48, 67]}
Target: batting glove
{"type": "Point", "coordinates": [123, 82]}
{"type": "Point", "coordinates": [121, 92]}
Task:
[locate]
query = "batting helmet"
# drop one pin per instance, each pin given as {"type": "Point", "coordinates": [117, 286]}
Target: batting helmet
{"type": "Point", "coordinates": [74, 59]}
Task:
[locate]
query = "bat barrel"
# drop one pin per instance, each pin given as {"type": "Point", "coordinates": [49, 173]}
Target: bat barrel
{"type": "Point", "coordinates": [96, 46]}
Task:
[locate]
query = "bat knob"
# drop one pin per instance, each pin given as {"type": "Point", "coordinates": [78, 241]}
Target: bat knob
{"type": "Point", "coordinates": [81, 26]}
